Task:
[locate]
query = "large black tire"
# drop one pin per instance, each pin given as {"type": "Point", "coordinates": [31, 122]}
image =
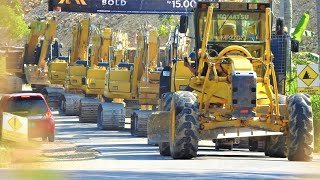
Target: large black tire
{"type": "Point", "coordinates": [164, 148]}
{"type": "Point", "coordinates": [220, 144]}
{"type": "Point", "coordinates": [301, 138]}
{"type": "Point", "coordinates": [257, 144]}
{"type": "Point", "coordinates": [51, 137]}
{"type": "Point", "coordinates": [277, 146]}
{"type": "Point", "coordinates": [267, 146]}
{"type": "Point", "coordinates": [166, 101]}
{"type": "Point", "coordinates": [184, 144]}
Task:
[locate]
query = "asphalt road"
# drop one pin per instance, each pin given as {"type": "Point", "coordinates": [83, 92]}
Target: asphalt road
{"type": "Point", "coordinates": [121, 156]}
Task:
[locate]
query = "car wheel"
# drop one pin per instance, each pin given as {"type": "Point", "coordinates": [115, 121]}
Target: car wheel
{"type": "Point", "coordinates": [51, 137]}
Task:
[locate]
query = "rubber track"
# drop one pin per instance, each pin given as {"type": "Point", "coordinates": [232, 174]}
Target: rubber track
{"type": "Point", "coordinates": [89, 110]}
{"type": "Point", "coordinates": [111, 116]}
{"type": "Point", "coordinates": [139, 122]}
{"type": "Point", "coordinates": [70, 104]}
{"type": "Point", "coordinates": [52, 96]}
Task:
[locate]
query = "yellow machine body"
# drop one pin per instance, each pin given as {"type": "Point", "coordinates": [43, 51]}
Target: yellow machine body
{"type": "Point", "coordinates": [57, 71]}
{"type": "Point", "coordinates": [76, 73]}
{"type": "Point", "coordinates": [96, 75]}
{"type": "Point", "coordinates": [215, 84]}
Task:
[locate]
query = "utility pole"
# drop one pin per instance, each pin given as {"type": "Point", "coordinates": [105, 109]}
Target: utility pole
{"type": "Point", "coordinates": [318, 24]}
{"type": "Point", "coordinates": [288, 15]}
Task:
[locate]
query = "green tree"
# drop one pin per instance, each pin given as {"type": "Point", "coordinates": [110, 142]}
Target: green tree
{"type": "Point", "coordinates": [12, 23]}
{"type": "Point", "coordinates": [167, 21]}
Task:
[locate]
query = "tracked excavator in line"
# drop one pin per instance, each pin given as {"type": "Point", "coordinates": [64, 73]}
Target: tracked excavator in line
{"type": "Point", "coordinates": [127, 82]}
{"type": "Point", "coordinates": [232, 92]}
{"type": "Point", "coordinates": [75, 81]}
{"type": "Point", "coordinates": [148, 84]}
{"type": "Point", "coordinates": [38, 52]}
{"type": "Point", "coordinates": [152, 86]}
{"type": "Point", "coordinates": [96, 74]}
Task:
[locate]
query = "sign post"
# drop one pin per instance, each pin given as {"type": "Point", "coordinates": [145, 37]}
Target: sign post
{"type": "Point", "coordinates": [308, 79]}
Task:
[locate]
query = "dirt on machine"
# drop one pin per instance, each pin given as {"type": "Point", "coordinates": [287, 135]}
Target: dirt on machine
{"type": "Point", "coordinates": [234, 91]}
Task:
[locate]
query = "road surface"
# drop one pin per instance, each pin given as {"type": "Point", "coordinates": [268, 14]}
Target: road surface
{"type": "Point", "coordinates": [118, 155]}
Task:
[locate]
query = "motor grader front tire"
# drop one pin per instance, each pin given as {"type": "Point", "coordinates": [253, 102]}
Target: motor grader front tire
{"type": "Point", "coordinates": [276, 146]}
{"type": "Point", "coordinates": [301, 138]}
{"type": "Point", "coordinates": [183, 131]}
{"type": "Point", "coordinates": [164, 147]}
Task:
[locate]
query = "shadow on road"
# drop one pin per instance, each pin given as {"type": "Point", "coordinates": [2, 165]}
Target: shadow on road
{"type": "Point", "coordinates": [101, 175]}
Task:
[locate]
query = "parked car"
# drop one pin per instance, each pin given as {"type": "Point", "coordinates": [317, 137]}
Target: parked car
{"type": "Point", "coordinates": [34, 107]}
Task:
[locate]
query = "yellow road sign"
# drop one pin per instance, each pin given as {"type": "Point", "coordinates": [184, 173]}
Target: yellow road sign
{"type": "Point", "coordinates": [15, 123]}
{"type": "Point", "coordinates": [14, 128]}
{"type": "Point", "coordinates": [308, 75]}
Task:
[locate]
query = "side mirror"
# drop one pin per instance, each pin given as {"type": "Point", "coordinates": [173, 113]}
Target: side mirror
{"type": "Point", "coordinates": [183, 24]}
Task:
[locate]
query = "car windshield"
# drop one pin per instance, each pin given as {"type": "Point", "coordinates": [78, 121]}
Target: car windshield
{"type": "Point", "coordinates": [27, 106]}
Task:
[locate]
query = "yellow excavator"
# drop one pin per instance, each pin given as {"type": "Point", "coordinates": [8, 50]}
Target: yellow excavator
{"type": "Point", "coordinates": [122, 85]}
{"type": "Point", "coordinates": [37, 50]}
{"type": "Point", "coordinates": [148, 84]}
{"type": "Point", "coordinates": [75, 81]}
{"type": "Point", "coordinates": [232, 94]}
{"type": "Point", "coordinates": [96, 74]}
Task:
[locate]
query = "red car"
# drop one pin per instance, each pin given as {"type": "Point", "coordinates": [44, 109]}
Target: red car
{"type": "Point", "coordinates": [35, 108]}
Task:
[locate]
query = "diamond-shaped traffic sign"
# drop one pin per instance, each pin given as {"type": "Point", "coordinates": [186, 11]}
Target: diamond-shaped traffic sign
{"type": "Point", "coordinates": [14, 123]}
{"type": "Point", "coordinates": [308, 75]}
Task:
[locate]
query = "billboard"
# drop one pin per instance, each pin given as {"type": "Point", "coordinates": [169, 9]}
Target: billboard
{"type": "Point", "coordinates": [124, 6]}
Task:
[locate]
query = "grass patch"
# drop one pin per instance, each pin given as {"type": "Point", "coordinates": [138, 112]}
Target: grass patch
{"type": "Point", "coordinates": [5, 155]}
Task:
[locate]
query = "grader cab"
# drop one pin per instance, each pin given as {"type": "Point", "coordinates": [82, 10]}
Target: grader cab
{"type": "Point", "coordinates": [234, 93]}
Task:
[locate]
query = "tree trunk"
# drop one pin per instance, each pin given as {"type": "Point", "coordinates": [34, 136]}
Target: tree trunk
{"type": "Point", "coordinates": [318, 23]}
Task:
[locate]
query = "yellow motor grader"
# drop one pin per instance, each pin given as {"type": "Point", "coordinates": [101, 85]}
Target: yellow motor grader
{"type": "Point", "coordinates": [234, 92]}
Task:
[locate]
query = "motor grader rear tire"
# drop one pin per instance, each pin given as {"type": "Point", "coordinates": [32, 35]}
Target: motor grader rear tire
{"type": "Point", "coordinates": [301, 138]}
{"type": "Point", "coordinates": [277, 146]}
{"type": "Point", "coordinates": [164, 148]}
{"type": "Point", "coordinates": [183, 134]}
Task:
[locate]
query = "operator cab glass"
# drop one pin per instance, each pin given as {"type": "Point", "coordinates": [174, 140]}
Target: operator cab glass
{"type": "Point", "coordinates": [241, 24]}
